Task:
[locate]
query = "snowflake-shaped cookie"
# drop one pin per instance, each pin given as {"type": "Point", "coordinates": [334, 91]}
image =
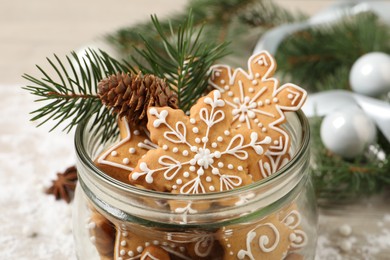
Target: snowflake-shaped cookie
{"type": "Point", "coordinates": [257, 102]}
{"type": "Point", "coordinates": [200, 153]}
{"type": "Point", "coordinates": [121, 158]}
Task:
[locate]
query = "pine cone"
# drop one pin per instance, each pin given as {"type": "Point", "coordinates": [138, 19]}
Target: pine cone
{"type": "Point", "coordinates": [131, 95]}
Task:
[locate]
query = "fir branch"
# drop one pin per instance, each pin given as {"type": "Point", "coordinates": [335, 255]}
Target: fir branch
{"type": "Point", "coordinates": [268, 14]}
{"type": "Point", "coordinates": [70, 94]}
{"type": "Point", "coordinates": [218, 15]}
{"type": "Point", "coordinates": [184, 61]}
{"type": "Point", "coordinates": [314, 55]}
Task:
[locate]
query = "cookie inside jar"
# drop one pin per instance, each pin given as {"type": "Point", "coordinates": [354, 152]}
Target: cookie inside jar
{"type": "Point", "coordinates": [220, 181]}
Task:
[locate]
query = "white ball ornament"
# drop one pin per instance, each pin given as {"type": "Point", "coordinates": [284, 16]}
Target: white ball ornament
{"type": "Point", "coordinates": [348, 132]}
{"type": "Point", "coordinates": [370, 74]}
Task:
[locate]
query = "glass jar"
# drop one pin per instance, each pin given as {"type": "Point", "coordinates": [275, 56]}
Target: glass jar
{"type": "Point", "coordinates": [275, 218]}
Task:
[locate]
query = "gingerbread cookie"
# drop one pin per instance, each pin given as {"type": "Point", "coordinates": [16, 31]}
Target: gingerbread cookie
{"type": "Point", "coordinates": [154, 253]}
{"type": "Point", "coordinates": [131, 243]}
{"type": "Point", "coordinates": [102, 234]}
{"type": "Point", "coordinates": [199, 244]}
{"type": "Point", "coordinates": [276, 236]}
{"type": "Point", "coordinates": [199, 153]}
{"type": "Point", "coordinates": [121, 158]}
{"type": "Point", "coordinates": [265, 239]}
{"type": "Point", "coordinates": [257, 102]}
{"type": "Point", "coordinates": [291, 218]}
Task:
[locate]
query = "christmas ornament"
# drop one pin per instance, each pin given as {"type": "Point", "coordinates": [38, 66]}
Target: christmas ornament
{"type": "Point", "coordinates": [131, 95]}
{"type": "Point", "coordinates": [327, 102]}
{"type": "Point", "coordinates": [370, 74]}
{"type": "Point", "coordinates": [348, 132]}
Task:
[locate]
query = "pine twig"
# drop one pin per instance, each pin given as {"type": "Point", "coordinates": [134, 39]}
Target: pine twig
{"type": "Point", "coordinates": [71, 97]}
{"type": "Point", "coordinates": [184, 62]}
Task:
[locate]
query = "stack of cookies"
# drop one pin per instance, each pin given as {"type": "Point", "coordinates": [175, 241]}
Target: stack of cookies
{"type": "Point", "coordinates": [230, 138]}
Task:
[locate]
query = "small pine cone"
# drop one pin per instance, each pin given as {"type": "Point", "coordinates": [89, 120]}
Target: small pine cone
{"type": "Point", "coordinates": [131, 95]}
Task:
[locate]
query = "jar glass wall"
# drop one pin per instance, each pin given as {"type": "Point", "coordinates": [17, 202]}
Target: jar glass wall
{"type": "Point", "coordinates": [274, 218]}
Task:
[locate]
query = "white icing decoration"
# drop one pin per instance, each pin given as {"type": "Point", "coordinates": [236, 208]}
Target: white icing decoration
{"type": "Point", "coordinates": [299, 237]}
{"type": "Point", "coordinates": [165, 147]}
{"type": "Point", "coordinates": [185, 211]}
{"type": "Point", "coordinates": [220, 164]}
{"type": "Point", "coordinates": [112, 150]}
{"type": "Point", "coordinates": [214, 145]}
{"type": "Point", "coordinates": [132, 150]}
{"type": "Point", "coordinates": [293, 95]}
{"type": "Point", "coordinates": [185, 153]}
{"type": "Point", "coordinates": [175, 149]}
{"type": "Point", "coordinates": [192, 121]}
{"type": "Point", "coordinates": [201, 158]}
{"type": "Point", "coordinates": [274, 163]}
{"type": "Point", "coordinates": [204, 243]}
{"type": "Point", "coordinates": [136, 132]}
{"type": "Point", "coordinates": [195, 130]}
{"type": "Point", "coordinates": [126, 160]}
{"type": "Point", "coordinates": [263, 241]}
{"type": "Point", "coordinates": [241, 106]}
{"type": "Point", "coordinates": [149, 256]}
{"type": "Point", "coordinates": [148, 145]}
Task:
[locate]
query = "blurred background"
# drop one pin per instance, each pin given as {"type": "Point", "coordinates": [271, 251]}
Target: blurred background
{"type": "Point", "coordinates": [33, 30]}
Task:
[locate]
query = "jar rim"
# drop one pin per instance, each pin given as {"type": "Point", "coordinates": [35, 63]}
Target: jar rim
{"type": "Point", "coordinates": [99, 175]}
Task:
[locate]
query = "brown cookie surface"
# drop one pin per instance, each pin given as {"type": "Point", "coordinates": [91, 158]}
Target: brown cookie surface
{"type": "Point", "coordinates": [257, 102]}
{"type": "Point", "coordinates": [121, 158]}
